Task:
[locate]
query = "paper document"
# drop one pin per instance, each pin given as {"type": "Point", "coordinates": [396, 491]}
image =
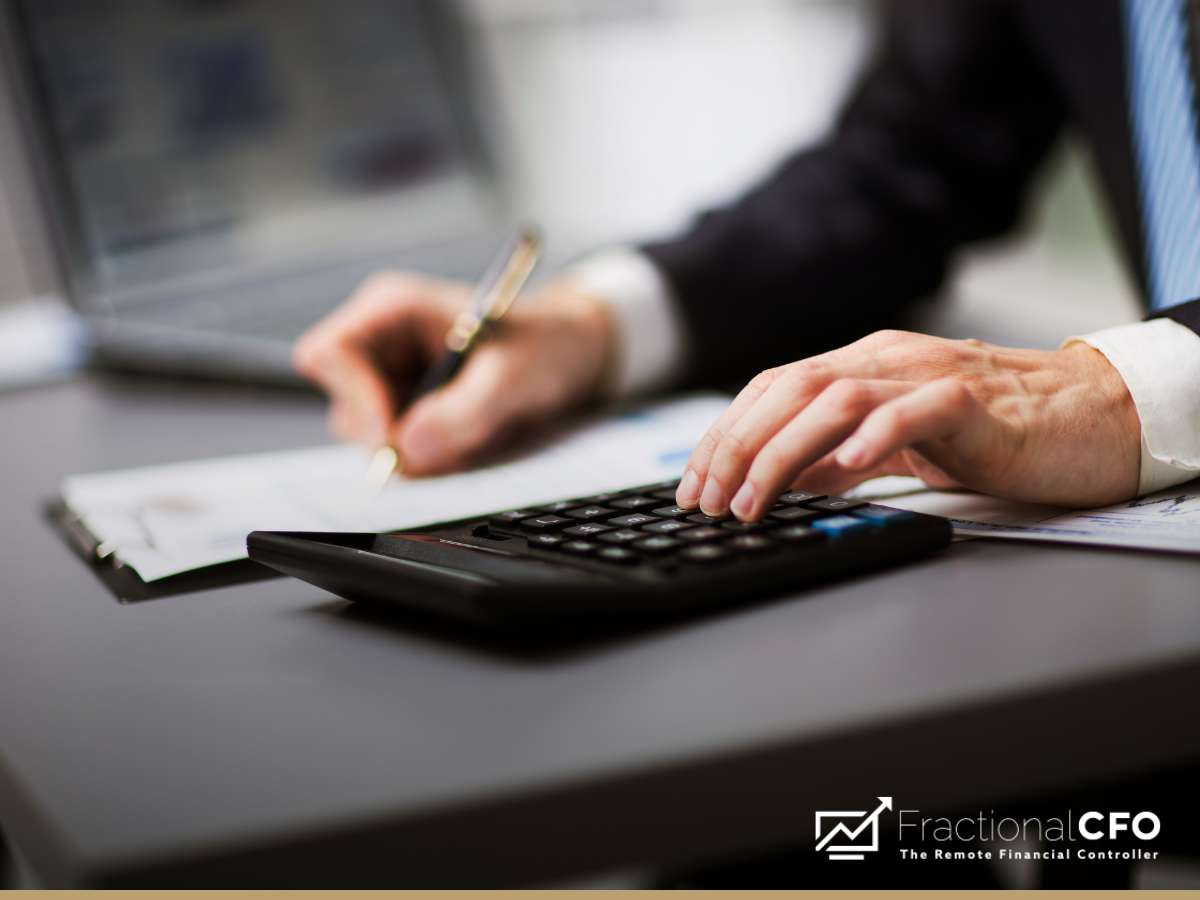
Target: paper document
{"type": "Point", "coordinates": [163, 520]}
{"type": "Point", "coordinates": [1168, 520]}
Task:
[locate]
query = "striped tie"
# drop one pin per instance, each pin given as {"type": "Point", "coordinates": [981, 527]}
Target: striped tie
{"type": "Point", "coordinates": [1165, 140]}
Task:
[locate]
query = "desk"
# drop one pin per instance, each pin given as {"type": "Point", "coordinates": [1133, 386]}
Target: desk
{"type": "Point", "coordinates": [269, 734]}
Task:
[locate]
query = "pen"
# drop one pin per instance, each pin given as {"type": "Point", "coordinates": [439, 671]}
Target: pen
{"type": "Point", "coordinates": [495, 294]}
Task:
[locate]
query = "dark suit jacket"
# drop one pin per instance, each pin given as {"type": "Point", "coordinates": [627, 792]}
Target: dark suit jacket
{"type": "Point", "coordinates": [936, 148]}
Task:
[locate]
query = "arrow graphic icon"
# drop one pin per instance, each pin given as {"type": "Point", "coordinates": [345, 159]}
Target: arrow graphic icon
{"type": "Point", "coordinates": [851, 835]}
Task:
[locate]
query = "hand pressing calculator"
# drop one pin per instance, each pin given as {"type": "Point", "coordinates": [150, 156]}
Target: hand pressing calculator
{"type": "Point", "coordinates": [617, 557]}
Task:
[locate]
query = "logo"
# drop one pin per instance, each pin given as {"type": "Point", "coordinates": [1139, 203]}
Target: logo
{"type": "Point", "coordinates": [856, 832]}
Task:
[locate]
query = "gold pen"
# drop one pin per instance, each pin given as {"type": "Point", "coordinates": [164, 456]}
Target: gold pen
{"type": "Point", "coordinates": [495, 294]}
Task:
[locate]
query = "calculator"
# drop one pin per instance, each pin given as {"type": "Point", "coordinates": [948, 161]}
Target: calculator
{"type": "Point", "coordinates": [624, 556]}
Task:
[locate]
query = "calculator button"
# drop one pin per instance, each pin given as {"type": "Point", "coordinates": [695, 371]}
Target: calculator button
{"type": "Point", "coordinates": [664, 494]}
{"type": "Point", "coordinates": [797, 533]}
{"type": "Point", "coordinates": [836, 526]}
{"type": "Point", "coordinates": [751, 543]}
{"type": "Point", "coordinates": [653, 490]}
{"type": "Point", "coordinates": [634, 502]}
{"type": "Point", "coordinates": [589, 513]}
{"type": "Point", "coordinates": [618, 555]}
{"type": "Point", "coordinates": [622, 536]}
{"type": "Point", "coordinates": [511, 518]}
{"type": "Point", "coordinates": [704, 553]}
{"type": "Point", "coordinates": [702, 519]}
{"type": "Point", "coordinates": [660, 543]}
{"type": "Point", "coordinates": [588, 529]}
{"type": "Point", "coordinates": [672, 512]}
{"type": "Point", "coordinates": [632, 521]}
{"type": "Point", "coordinates": [799, 497]}
{"type": "Point", "coordinates": [560, 507]}
{"type": "Point", "coordinates": [836, 504]}
{"type": "Point", "coordinates": [703, 533]}
{"type": "Point", "coordinates": [882, 515]}
{"type": "Point", "coordinates": [601, 497]}
{"type": "Point", "coordinates": [544, 541]}
{"type": "Point", "coordinates": [547, 522]}
{"type": "Point", "coordinates": [747, 527]}
{"type": "Point", "coordinates": [667, 526]}
{"type": "Point", "coordinates": [794, 515]}
{"type": "Point", "coordinates": [579, 548]}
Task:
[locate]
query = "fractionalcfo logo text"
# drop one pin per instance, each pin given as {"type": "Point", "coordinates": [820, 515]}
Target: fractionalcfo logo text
{"type": "Point", "coordinates": [851, 834]}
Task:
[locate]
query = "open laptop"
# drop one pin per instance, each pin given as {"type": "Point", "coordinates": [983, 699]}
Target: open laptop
{"type": "Point", "coordinates": [218, 174]}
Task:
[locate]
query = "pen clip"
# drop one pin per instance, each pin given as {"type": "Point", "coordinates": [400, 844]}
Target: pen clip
{"type": "Point", "coordinates": [514, 275]}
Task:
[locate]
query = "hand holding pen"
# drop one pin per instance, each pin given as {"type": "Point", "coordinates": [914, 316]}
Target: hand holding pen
{"type": "Point", "coordinates": [494, 296]}
{"type": "Point", "coordinates": [421, 366]}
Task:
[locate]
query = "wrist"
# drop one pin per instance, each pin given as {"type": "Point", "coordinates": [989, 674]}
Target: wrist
{"type": "Point", "coordinates": [648, 331]}
{"type": "Point", "coordinates": [1093, 373]}
{"type": "Point", "coordinates": [1093, 370]}
{"type": "Point", "coordinates": [590, 322]}
{"type": "Point", "coordinates": [1159, 361]}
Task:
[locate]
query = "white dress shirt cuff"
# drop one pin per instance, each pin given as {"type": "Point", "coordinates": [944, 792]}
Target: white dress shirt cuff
{"type": "Point", "coordinates": [1160, 363]}
{"type": "Point", "coordinates": [650, 336]}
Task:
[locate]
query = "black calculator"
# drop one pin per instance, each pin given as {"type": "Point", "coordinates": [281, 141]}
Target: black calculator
{"type": "Point", "coordinates": [624, 556]}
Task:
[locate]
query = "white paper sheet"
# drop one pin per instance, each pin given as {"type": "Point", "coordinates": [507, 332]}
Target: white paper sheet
{"type": "Point", "coordinates": [1168, 520]}
{"type": "Point", "coordinates": [163, 520]}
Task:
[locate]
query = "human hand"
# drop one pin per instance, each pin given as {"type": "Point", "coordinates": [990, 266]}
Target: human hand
{"type": "Point", "coordinates": [550, 353]}
{"type": "Point", "coordinates": [1042, 426]}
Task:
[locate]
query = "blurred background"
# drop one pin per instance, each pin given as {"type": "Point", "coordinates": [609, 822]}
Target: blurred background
{"type": "Point", "coordinates": [200, 140]}
{"type": "Point", "coordinates": [189, 155]}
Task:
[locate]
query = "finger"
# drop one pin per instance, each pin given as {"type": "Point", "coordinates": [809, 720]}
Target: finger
{"type": "Point", "coordinates": [387, 317]}
{"type": "Point", "coordinates": [361, 395]}
{"type": "Point", "coordinates": [935, 410]}
{"type": "Point", "coordinates": [339, 423]}
{"type": "Point", "coordinates": [827, 477]}
{"type": "Point", "coordinates": [349, 324]}
{"type": "Point", "coordinates": [447, 429]}
{"type": "Point", "coordinates": [815, 431]}
{"type": "Point", "coordinates": [808, 376]}
{"type": "Point", "coordinates": [787, 395]}
{"type": "Point", "coordinates": [696, 471]}
{"type": "Point", "coordinates": [934, 476]}
{"type": "Point", "coordinates": [382, 305]}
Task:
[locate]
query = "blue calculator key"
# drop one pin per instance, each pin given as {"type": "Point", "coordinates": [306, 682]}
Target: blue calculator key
{"type": "Point", "coordinates": [836, 526]}
{"type": "Point", "coordinates": [882, 515]}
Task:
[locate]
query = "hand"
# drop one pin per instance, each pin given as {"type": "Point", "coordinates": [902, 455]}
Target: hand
{"type": "Point", "coordinates": [1051, 427]}
{"type": "Point", "coordinates": [551, 352]}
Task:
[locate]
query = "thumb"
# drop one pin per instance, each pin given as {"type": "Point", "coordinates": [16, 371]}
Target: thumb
{"type": "Point", "coordinates": [446, 429]}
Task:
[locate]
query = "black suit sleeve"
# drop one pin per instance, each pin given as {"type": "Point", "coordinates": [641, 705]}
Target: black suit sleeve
{"type": "Point", "coordinates": [1184, 313]}
{"type": "Point", "coordinates": [934, 149]}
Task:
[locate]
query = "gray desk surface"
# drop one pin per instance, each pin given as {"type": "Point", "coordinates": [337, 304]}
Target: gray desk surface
{"type": "Point", "coordinates": [267, 734]}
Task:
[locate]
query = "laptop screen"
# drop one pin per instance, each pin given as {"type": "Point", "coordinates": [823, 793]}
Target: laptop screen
{"type": "Point", "coordinates": [194, 137]}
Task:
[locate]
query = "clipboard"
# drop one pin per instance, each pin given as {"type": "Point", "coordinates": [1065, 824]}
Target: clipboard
{"type": "Point", "coordinates": [124, 584]}
{"type": "Point", "coordinates": [182, 526]}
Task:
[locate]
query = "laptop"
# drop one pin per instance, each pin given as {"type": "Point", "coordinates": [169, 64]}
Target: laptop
{"type": "Point", "coordinates": [216, 176]}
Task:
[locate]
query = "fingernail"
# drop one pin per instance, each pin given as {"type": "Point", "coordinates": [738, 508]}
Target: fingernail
{"type": "Point", "coordinates": [743, 501]}
{"type": "Point", "coordinates": [689, 489]}
{"type": "Point", "coordinates": [712, 501]}
{"type": "Point", "coordinates": [853, 453]}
